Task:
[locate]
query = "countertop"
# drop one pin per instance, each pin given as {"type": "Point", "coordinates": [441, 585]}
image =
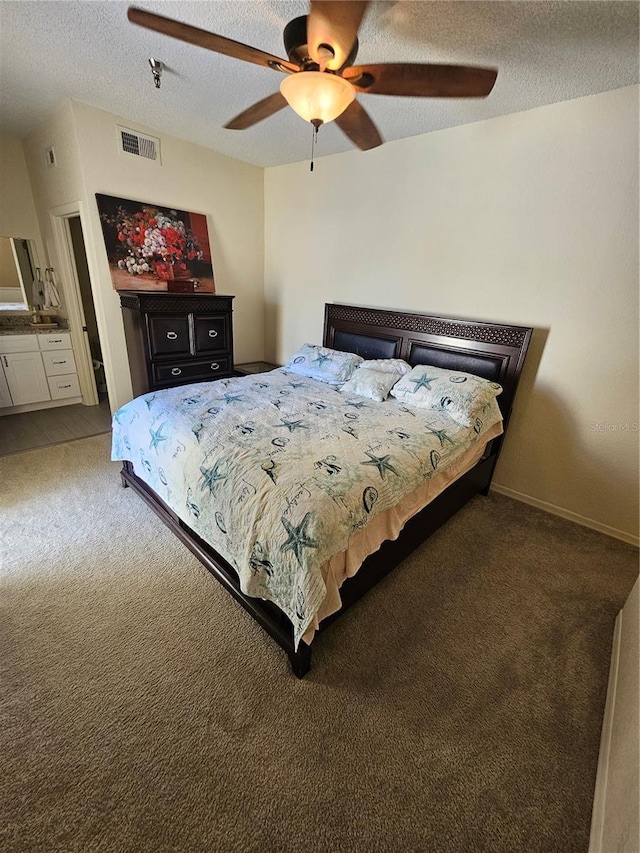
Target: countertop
{"type": "Point", "coordinates": [30, 330]}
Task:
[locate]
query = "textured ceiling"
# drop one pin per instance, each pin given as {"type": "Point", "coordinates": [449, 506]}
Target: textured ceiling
{"type": "Point", "coordinates": [545, 52]}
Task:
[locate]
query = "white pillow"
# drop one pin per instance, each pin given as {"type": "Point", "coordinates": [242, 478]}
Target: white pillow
{"type": "Point", "coordinates": [460, 395]}
{"type": "Point", "coordinates": [374, 384]}
{"type": "Point", "coordinates": [387, 365]}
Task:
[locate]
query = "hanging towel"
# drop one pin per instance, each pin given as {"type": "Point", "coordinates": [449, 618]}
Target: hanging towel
{"type": "Point", "coordinates": [51, 295]}
{"type": "Point", "coordinates": [37, 291]}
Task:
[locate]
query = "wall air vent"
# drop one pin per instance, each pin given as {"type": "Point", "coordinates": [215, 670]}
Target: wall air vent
{"type": "Point", "coordinates": [132, 142]}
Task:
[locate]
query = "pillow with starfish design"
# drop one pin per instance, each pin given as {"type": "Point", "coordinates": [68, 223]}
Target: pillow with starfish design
{"type": "Point", "coordinates": [460, 395]}
{"type": "Point", "coordinates": [324, 364]}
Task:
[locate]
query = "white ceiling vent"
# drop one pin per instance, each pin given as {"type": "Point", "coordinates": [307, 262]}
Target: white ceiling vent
{"type": "Point", "coordinates": [132, 142]}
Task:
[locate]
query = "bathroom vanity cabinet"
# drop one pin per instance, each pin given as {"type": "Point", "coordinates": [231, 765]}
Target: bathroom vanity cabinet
{"type": "Point", "coordinates": [37, 368]}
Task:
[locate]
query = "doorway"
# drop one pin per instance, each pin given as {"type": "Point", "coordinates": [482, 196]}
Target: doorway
{"type": "Point", "coordinates": [90, 326]}
{"type": "Point", "coordinates": [66, 222]}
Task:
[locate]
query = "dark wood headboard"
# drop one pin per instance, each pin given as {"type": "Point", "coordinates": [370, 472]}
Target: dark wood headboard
{"type": "Point", "coordinates": [494, 351]}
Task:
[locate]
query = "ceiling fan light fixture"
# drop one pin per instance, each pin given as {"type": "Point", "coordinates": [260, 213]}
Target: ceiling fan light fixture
{"type": "Point", "coordinates": [317, 95]}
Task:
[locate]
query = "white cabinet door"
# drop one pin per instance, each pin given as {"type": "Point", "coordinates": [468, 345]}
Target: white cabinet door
{"type": "Point", "coordinates": [26, 377]}
{"type": "Point", "coordinates": [5, 396]}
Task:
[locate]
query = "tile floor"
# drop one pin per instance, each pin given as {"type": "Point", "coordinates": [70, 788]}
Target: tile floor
{"type": "Point", "coordinates": [27, 430]}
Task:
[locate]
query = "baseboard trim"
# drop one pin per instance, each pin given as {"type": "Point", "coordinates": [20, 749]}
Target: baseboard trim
{"type": "Point", "coordinates": [622, 535]}
{"type": "Point", "coordinates": [602, 774]}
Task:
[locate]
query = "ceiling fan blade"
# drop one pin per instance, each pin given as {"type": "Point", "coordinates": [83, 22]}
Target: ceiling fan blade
{"type": "Point", "coordinates": [335, 25]}
{"type": "Point", "coordinates": [358, 126]}
{"type": "Point", "coordinates": [422, 81]}
{"type": "Point", "coordinates": [256, 112]}
{"type": "Point", "coordinates": [210, 41]}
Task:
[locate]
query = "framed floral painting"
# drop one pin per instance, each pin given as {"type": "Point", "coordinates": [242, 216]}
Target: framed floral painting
{"type": "Point", "coordinates": [154, 247]}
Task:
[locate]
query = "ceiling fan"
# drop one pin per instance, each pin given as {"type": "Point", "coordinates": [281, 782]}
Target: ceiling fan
{"type": "Point", "coordinates": [322, 81]}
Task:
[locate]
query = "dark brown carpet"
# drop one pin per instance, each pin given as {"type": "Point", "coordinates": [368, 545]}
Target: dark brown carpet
{"type": "Point", "coordinates": [457, 708]}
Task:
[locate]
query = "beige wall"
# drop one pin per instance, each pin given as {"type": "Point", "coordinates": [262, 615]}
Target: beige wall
{"type": "Point", "coordinates": [17, 209]}
{"type": "Point", "coordinates": [189, 177]}
{"type": "Point", "coordinates": [530, 218]}
{"type": "Point", "coordinates": [18, 217]}
{"type": "Point", "coordinates": [8, 272]}
{"type": "Point", "coordinates": [54, 185]}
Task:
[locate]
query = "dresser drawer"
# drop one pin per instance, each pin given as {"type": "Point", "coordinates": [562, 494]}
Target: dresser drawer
{"type": "Point", "coordinates": [58, 362]}
{"type": "Point", "coordinates": [64, 386]}
{"type": "Point", "coordinates": [168, 335]}
{"type": "Point", "coordinates": [56, 340]}
{"type": "Point", "coordinates": [18, 343]}
{"type": "Point", "coordinates": [190, 371]}
{"type": "Point", "coordinates": [211, 333]}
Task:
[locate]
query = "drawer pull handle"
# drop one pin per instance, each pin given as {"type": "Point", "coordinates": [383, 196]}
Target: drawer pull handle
{"type": "Point", "coordinates": [60, 362]}
{"type": "Point", "coordinates": [55, 340]}
{"type": "Point", "coordinates": [215, 365]}
{"type": "Point", "coordinates": [172, 335]}
{"type": "Point", "coordinates": [64, 386]}
{"type": "Point", "coordinates": [213, 333]}
{"type": "Point", "coordinates": [175, 371]}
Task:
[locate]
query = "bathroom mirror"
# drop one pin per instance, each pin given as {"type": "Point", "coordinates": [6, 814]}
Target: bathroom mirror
{"type": "Point", "coordinates": [17, 272]}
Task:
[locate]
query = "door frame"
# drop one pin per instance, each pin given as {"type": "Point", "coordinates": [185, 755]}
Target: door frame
{"type": "Point", "coordinates": [73, 301]}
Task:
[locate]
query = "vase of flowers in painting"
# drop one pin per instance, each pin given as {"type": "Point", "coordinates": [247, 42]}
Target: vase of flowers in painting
{"type": "Point", "coordinates": [152, 243]}
{"type": "Point", "coordinates": [171, 270]}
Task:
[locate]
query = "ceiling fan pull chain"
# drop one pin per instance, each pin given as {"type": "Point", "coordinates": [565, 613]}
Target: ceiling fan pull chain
{"type": "Point", "coordinates": [314, 138]}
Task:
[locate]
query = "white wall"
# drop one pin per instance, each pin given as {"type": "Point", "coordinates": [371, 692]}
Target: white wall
{"type": "Point", "coordinates": [530, 218]}
{"type": "Point", "coordinates": [190, 177]}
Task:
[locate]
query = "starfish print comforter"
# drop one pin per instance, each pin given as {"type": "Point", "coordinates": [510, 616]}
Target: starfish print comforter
{"type": "Point", "coordinates": [277, 471]}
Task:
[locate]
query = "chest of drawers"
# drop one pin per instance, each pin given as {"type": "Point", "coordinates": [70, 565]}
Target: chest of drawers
{"type": "Point", "coordinates": [176, 338]}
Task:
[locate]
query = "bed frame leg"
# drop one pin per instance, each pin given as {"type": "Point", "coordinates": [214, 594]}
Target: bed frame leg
{"type": "Point", "coordinates": [126, 466]}
{"type": "Point", "coordinates": [485, 489]}
{"type": "Point", "coordinates": [301, 660]}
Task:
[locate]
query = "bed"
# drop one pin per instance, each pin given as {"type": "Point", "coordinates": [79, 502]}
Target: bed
{"type": "Point", "coordinates": [299, 496]}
